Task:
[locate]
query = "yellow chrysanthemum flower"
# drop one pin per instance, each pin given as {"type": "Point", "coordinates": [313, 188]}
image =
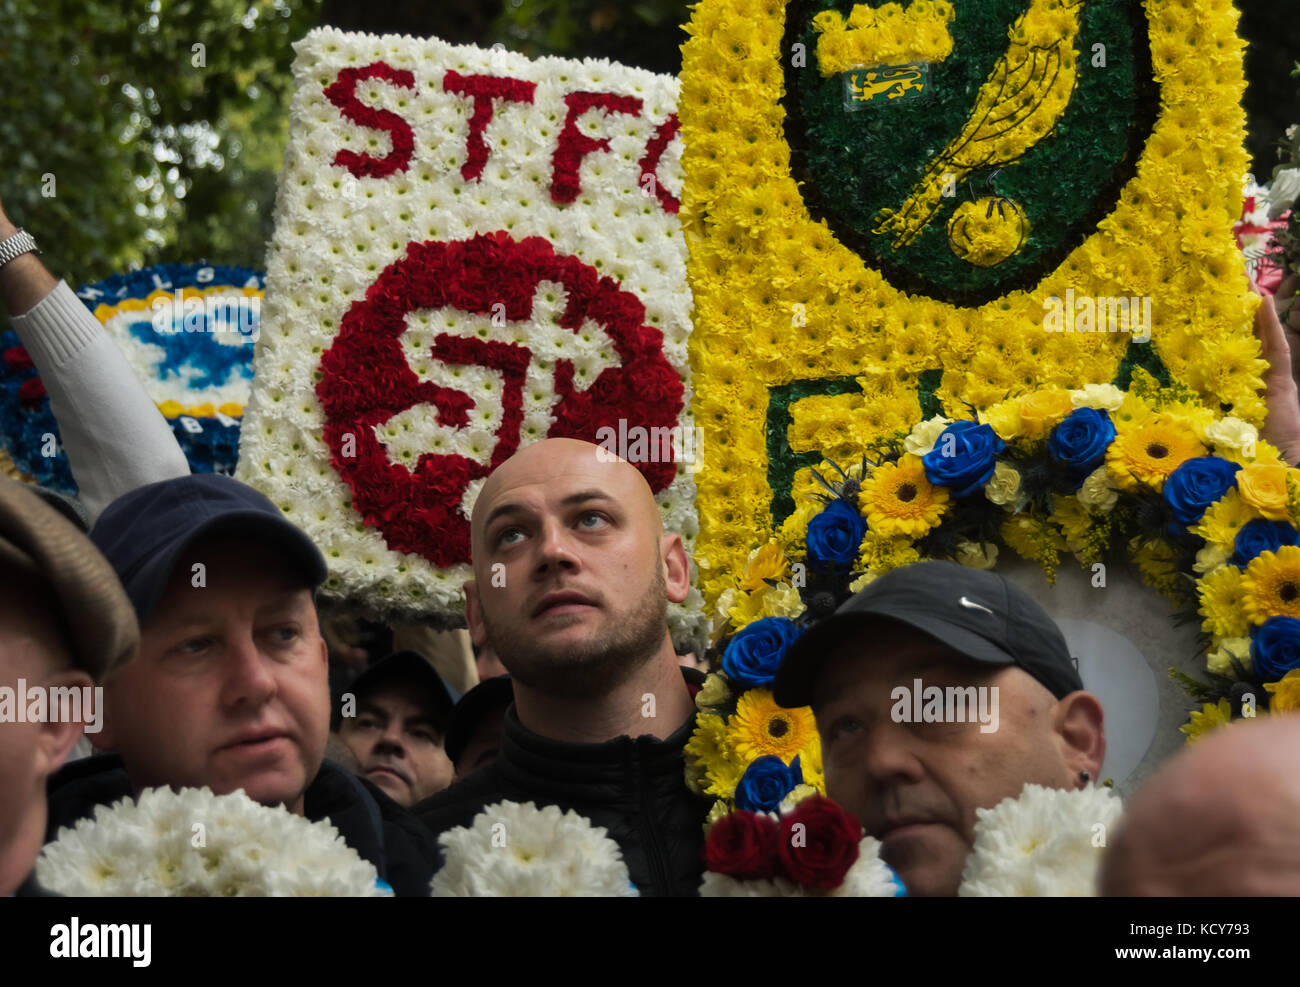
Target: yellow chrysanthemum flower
{"type": "Point", "coordinates": [760, 727]}
{"type": "Point", "coordinates": [900, 500]}
{"type": "Point", "coordinates": [1211, 717]}
{"type": "Point", "coordinates": [1148, 452]}
{"type": "Point", "coordinates": [810, 761]}
{"type": "Point", "coordinates": [765, 562]}
{"type": "Point", "coordinates": [712, 764]}
{"type": "Point", "coordinates": [1271, 585]}
{"type": "Point", "coordinates": [1223, 519]}
{"type": "Point", "coordinates": [1221, 603]}
{"type": "Point", "coordinates": [1219, 661]}
{"type": "Point", "coordinates": [1285, 695]}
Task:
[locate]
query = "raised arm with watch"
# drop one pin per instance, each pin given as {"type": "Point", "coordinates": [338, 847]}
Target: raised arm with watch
{"type": "Point", "coordinates": [114, 436]}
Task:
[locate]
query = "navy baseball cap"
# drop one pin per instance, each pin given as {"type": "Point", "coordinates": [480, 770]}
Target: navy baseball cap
{"type": "Point", "coordinates": [144, 533]}
{"type": "Point", "coordinates": [981, 614]}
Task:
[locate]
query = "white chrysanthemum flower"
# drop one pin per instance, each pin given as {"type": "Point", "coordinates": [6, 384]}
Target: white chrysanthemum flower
{"type": "Point", "coordinates": [1102, 397]}
{"type": "Point", "coordinates": [925, 435]}
{"type": "Point", "coordinates": [1209, 558]}
{"type": "Point", "coordinates": [1046, 843]}
{"type": "Point", "coordinates": [514, 850]}
{"type": "Point", "coordinates": [192, 843]}
{"type": "Point", "coordinates": [1098, 493]}
{"type": "Point", "coordinates": [1233, 433]}
{"type": "Point", "coordinates": [977, 555]}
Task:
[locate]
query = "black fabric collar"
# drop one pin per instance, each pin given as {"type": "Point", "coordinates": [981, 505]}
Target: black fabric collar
{"type": "Point", "coordinates": [526, 756]}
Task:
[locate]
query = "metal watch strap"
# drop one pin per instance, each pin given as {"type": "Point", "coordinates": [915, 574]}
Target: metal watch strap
{"type": "Point", "coordinates": [17, 245]}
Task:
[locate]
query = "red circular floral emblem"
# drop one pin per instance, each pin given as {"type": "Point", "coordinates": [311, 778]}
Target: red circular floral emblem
{"type": "Point", "coordinates": [366, 379]}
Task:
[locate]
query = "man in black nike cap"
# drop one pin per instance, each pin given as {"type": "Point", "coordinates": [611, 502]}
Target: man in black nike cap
{"type": "Point", "coordinates": [938, 690]}
{"type": "Point", "coordinates": [230, 687]}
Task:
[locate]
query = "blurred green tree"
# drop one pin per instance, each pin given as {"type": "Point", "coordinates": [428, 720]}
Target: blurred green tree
{"type": "Point", "coordinates": [159, 130]}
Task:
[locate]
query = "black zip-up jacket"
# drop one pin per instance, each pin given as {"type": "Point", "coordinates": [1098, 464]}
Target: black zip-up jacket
{"type": "Point", "coordinates": [634, 788]}
{"type": "Point", "coordinates": [370, 822]}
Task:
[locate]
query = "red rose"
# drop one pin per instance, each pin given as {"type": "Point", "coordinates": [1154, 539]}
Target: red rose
{"type": "Point", "coordinates": [819, 843]}
{"type": "Point", "coordinates": [31, 391]}
{"type": "Point", "coordinates": [17, 358]}
{"type": "Point", "coordinates": [743, 845]}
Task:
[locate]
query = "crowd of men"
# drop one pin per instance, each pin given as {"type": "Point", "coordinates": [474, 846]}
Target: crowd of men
{"type": "Point", "coordinates": [191, 600]}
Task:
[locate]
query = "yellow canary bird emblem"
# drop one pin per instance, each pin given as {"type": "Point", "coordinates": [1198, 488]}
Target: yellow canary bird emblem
{"type": "Point", "coordinates": [1018, 105]}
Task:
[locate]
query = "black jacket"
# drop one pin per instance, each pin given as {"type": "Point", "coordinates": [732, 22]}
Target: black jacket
{"type": "Point", "coordinates": [635, 789]}
{"type": "Point", "coordinates": [370, 822]}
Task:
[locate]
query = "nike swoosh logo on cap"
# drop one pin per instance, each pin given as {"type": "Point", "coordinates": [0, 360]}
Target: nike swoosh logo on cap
{"type": "Point", "coordinates": [972, 605]}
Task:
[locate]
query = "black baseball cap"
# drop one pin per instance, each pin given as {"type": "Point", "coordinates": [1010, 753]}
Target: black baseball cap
{"type": "Point", "coordinates": [982, 614]}
{"type": "Point", "coordinates": [144, 532]}
{"type": "Point", "coordinates": [497, 692]}
{"type": "Point", "coordinates": [410, 670]}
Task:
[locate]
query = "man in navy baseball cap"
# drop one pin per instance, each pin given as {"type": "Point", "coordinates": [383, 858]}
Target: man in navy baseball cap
{"type": "Point", "coordinates": [230, 689]}
{"type": "Point", "coordinates": [938, 690]}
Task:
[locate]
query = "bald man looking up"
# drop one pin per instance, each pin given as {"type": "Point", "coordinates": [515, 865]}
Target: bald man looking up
{"type": "Point", "coordinates": [572, 577]}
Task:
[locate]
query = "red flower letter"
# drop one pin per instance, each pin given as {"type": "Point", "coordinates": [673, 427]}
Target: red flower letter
{"type": "Point", "coordinates": [574, 145]}
{"type": "Point", "coordinates": [342, 93]}
{"type": "Point", "coordinates": [483, 89]}
{"type": "Point", "coordinates": [654, 150]}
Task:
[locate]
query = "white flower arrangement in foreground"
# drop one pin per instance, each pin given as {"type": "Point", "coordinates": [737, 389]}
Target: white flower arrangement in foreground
{"type": "Point", "coordinates": [192, 843]}
{"type": "Point", "coordinates": [514, 850]}
{"type": "Point", "coordinates": [1047, 843]}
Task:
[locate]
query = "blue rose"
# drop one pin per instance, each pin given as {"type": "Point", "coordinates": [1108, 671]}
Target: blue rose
{"type": "Point", "coordinates": [1197, 484]}
{"type": "Point", "coordinates": [963, 458]}
{"type": "Point", "coordinates": [1275, 648]}
{"type": "Point", "coordinates": [1080, 441]}
{"type": "Point", "coordinates": [1260, 536]}
{"type": "Point", "coordinates": [835, 534]}
{"type": "Point", "coordinates": [755, 653]}
{"type": "Point", "coordinates": [766, 782]}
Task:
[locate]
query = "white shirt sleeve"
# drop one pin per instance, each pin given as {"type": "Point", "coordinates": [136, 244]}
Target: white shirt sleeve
{"type": "Point", "coordinates": [115, 437]}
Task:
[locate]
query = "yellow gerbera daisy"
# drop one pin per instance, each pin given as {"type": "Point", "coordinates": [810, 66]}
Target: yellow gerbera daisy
{"type": "Point", "coordinates": [1148, 452]}
{"type": "Point", "coordinates": [900, 500]}
{"type": "Point", "coordinates": [1285, 695]}
{"type": "Point", "coordinates": [1221, 603]}
{"type": "Point", "coordinates": [1211, 717]}
{"type": "Point", "coordinates": [1221, 522]}
{"type": "Point", "coordinates": [760, 727]}
{"type": "Point", "coordinates": [1271, 585]}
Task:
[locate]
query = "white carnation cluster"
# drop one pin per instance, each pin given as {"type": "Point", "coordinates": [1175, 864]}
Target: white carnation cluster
{"type": "Point", "coordinates": [513, 850]}
{"type": "Point", "coordinates": [1045, 844]}
{"type": "Point", "coordinates": [335, 234]}
{"type": "Point", "coordinates": [192, 843]}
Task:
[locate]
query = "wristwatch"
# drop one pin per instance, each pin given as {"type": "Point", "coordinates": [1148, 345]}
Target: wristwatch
{"type": "Point", "coordinates": [17, 245]}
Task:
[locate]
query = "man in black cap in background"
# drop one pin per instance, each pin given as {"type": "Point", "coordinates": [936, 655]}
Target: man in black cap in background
{"type": "Point", "coordinates": [393, 719]}
{"type": "Point", "coordinates": [64, 623]}
{"type": "Point", "coordinates": [914, 771]}
{"type": "Point", "coordinates": [474, 736]}
{"type": "Point", "coordinates": [230, 688]}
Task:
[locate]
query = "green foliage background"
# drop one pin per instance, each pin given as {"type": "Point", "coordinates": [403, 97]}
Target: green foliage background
{"type": "Point", "coordinates": [157, 160]}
